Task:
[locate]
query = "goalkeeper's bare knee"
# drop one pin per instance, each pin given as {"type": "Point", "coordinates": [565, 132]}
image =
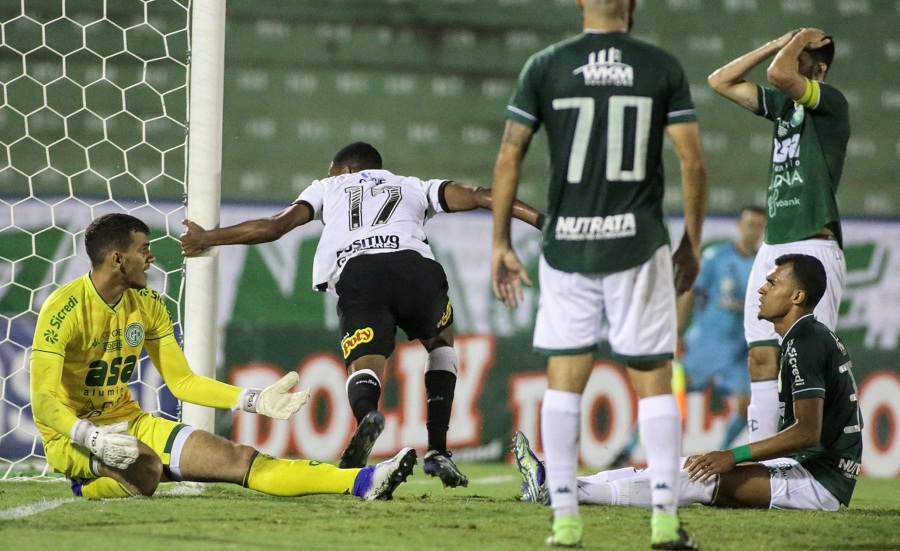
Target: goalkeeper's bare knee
{"type": "Point", "coordinates": [142, 477]}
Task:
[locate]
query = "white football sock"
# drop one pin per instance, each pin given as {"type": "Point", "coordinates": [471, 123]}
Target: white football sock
{"type": "Point", "coordinates": [615, 474]}
{"type": "Point", "coordinates": [763, 412]}
{"type": "Point", "coordinates": [635, 491]}
{"type": "Point", "coordinates": [560, 431]}
{"type": "Point", "coordinates": [660, 423]}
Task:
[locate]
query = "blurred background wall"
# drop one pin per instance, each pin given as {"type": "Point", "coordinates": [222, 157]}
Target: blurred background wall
{"type": "Point", "coordinates": [427, 81]}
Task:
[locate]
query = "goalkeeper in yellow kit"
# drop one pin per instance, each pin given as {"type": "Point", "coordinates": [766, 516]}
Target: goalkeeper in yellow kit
{"type": "Point", "coordinates": [87, 342]}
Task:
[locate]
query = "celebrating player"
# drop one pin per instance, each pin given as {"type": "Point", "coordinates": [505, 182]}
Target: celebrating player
{"type": "Point", "coordinates": [607, 100]}
{"type": "Point", "coordinates": [812, 128]}
{"type": "Point", "coordinates": [89, 337]}
{"type": "Point", "coordinates": [375, 256]}
{"type": "Point", "coordinates": [811, 463]}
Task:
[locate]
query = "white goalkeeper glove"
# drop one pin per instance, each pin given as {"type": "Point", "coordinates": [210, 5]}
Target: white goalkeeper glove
{"type": "Point", "coordinates": [275, 401]}
{"type": "Point", "coordinates": [111, 444]}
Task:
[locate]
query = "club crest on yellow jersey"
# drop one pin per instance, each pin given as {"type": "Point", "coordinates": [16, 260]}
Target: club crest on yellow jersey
{"type": "Point", "coordinates": [134, 334]}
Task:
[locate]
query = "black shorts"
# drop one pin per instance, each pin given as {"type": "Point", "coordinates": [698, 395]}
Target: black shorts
{"type": "Point", "coordinates": [379, 292]}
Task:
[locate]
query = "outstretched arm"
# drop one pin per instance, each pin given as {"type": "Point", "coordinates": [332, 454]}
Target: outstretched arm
{"type": "Point", "coordinates": [275, 401]}
{"type": "Point", "coordinates": [460, 197]}
{"type": "Point", "coordinates": [507, 272]}
{"type": "Point", "coordinates": [730, 80]}
{"type": "Point", "coordinates": [195, 239]}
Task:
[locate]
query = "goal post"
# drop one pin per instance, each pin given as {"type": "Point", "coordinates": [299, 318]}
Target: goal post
{"type": "Point", "coordinates": [204, 178]}
{"type": "Point", "coordinates": [98, 114]}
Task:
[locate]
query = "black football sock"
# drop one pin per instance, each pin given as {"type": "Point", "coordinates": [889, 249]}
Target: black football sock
{"type": "Point", "coordinates": [439, 388]}
{"type": "Point", "coordinates": [363, 392]}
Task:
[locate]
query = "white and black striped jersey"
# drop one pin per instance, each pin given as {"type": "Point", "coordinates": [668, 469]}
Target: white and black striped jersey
{"type": "Point", "coordinates": [369, 212]}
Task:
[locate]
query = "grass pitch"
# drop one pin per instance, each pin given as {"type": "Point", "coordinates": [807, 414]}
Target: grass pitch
{"type": "Point", "coordinates": [423, 516]}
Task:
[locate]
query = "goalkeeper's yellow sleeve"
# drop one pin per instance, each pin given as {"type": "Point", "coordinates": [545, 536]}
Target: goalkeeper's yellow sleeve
{"type": "Point", "coordinates": [46, 407]}
{"type": "Point", "coordinates": [186, 385]}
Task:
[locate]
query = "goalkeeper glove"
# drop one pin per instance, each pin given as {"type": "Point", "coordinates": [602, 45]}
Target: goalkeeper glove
{"type": "Point", "coordinates": [111, 444]}
{"type": "Point", "coordinates": [275, 401]}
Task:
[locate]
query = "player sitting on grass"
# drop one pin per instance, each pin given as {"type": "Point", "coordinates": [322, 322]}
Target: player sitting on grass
{"type": "Point", "coordinates": [89, 337]}
{"type": "Point", "coordinates": [811, 463]}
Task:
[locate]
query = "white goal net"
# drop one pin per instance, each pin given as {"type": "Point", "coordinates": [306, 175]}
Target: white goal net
{"type": "Point", "coordinates": [93, 119]}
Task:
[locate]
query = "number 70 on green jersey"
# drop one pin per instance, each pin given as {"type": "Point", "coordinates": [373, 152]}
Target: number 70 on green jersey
{"type": "Point", "coordinates": [619, 129]}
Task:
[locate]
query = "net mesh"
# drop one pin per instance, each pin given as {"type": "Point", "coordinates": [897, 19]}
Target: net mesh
{"type": "Point", "coordinates": [93, 111]}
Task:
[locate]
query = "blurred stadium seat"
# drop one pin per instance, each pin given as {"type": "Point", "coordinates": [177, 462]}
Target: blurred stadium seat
{"type": "Point", "coordinates": [427, 81]}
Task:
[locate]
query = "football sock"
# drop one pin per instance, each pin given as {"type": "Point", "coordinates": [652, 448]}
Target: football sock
{"type": "Point", "coordinates": [560, 430]}
{"type": "Point", "coordinates": [660, 424]}
{"type": "Point", "coordinates": [616, 474]}
{"type": "Point", "coordinates": [103, 487]}
{"type": "Point", "coordinates": [439, 389]}
{"type": "Point", "coordinates": [297, 477]}
{"type": "Point", "coordinates": [363, 392]}
{"type": "Point", "coordinates": [736, 424]}
{"type": "Point", "coordinates": [636, 492]}
{"type": "Point", "coordinates": [762, 414]}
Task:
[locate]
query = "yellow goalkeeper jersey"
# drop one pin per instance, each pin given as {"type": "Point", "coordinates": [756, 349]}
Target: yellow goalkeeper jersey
{"type": "Point", "coordinates": [85, 353]}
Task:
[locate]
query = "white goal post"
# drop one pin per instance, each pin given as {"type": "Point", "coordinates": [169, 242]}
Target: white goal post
{"type": "Point", "coordinates": [207, 70]}
{"type": "Point", "coordinates": [105, 107]}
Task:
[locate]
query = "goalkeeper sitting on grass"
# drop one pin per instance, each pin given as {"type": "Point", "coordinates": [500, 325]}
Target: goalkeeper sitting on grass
{"type": "Point", "coordinates": [87, 343]}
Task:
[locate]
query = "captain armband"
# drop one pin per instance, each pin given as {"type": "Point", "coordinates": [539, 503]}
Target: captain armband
{"type": "Point", "coordinates": [810, 98]}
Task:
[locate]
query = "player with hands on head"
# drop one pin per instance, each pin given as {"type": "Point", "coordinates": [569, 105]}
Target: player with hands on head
{"type": "Point", "coordinates": [811, 131]}
{"type": "Point", "coordinates": [90, 335]}
{"type": "Point", "coordinates": [607, 101]}
{"type": "Point", "coordinates": [812, 463]}
{"type": "Point", "coordinates": [374, 255]}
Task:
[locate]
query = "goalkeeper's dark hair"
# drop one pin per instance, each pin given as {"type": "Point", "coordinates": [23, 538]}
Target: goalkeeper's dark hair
{"type": "Point", "coordinates": [357, 156]}
{"type": "Point", "coordinates": [825, 54]}
{"type": "Point", "coordinates": [809, 273]}
{"type": "Point", "coordinates": [111, 232]}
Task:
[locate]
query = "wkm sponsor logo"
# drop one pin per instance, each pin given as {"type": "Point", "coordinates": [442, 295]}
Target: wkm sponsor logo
{"type": "Point", "coordinates": [605, 68]}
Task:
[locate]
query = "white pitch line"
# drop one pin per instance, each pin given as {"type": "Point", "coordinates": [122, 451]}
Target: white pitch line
{"type": "Point", "coordinates": [23, 511]}
{"type": "Point", "coordinates": [185, 489]}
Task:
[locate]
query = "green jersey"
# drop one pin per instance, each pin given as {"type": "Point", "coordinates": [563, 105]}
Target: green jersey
{"type": "Point", "coordinates": [605, 99]}
{"type": "Point", "coordinates": [815, 364]}
{"type": "Point", "coordinates": [808, 153]}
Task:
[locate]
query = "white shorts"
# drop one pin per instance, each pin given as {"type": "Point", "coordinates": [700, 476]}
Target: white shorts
{"type": "Point", "coordinates": [761, 332]}
{"type": "Point", "coordinates": [637, 305]}
{"type": "Point", "coordinates": [794, 488]}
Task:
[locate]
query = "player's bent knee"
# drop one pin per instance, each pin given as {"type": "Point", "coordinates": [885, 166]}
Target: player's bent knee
{"type": "Point", "coordinates": [145, 474]}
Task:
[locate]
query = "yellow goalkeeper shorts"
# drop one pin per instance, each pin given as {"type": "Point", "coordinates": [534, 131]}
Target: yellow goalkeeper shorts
{"type": "Point", "coordinates": [163, 436]}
